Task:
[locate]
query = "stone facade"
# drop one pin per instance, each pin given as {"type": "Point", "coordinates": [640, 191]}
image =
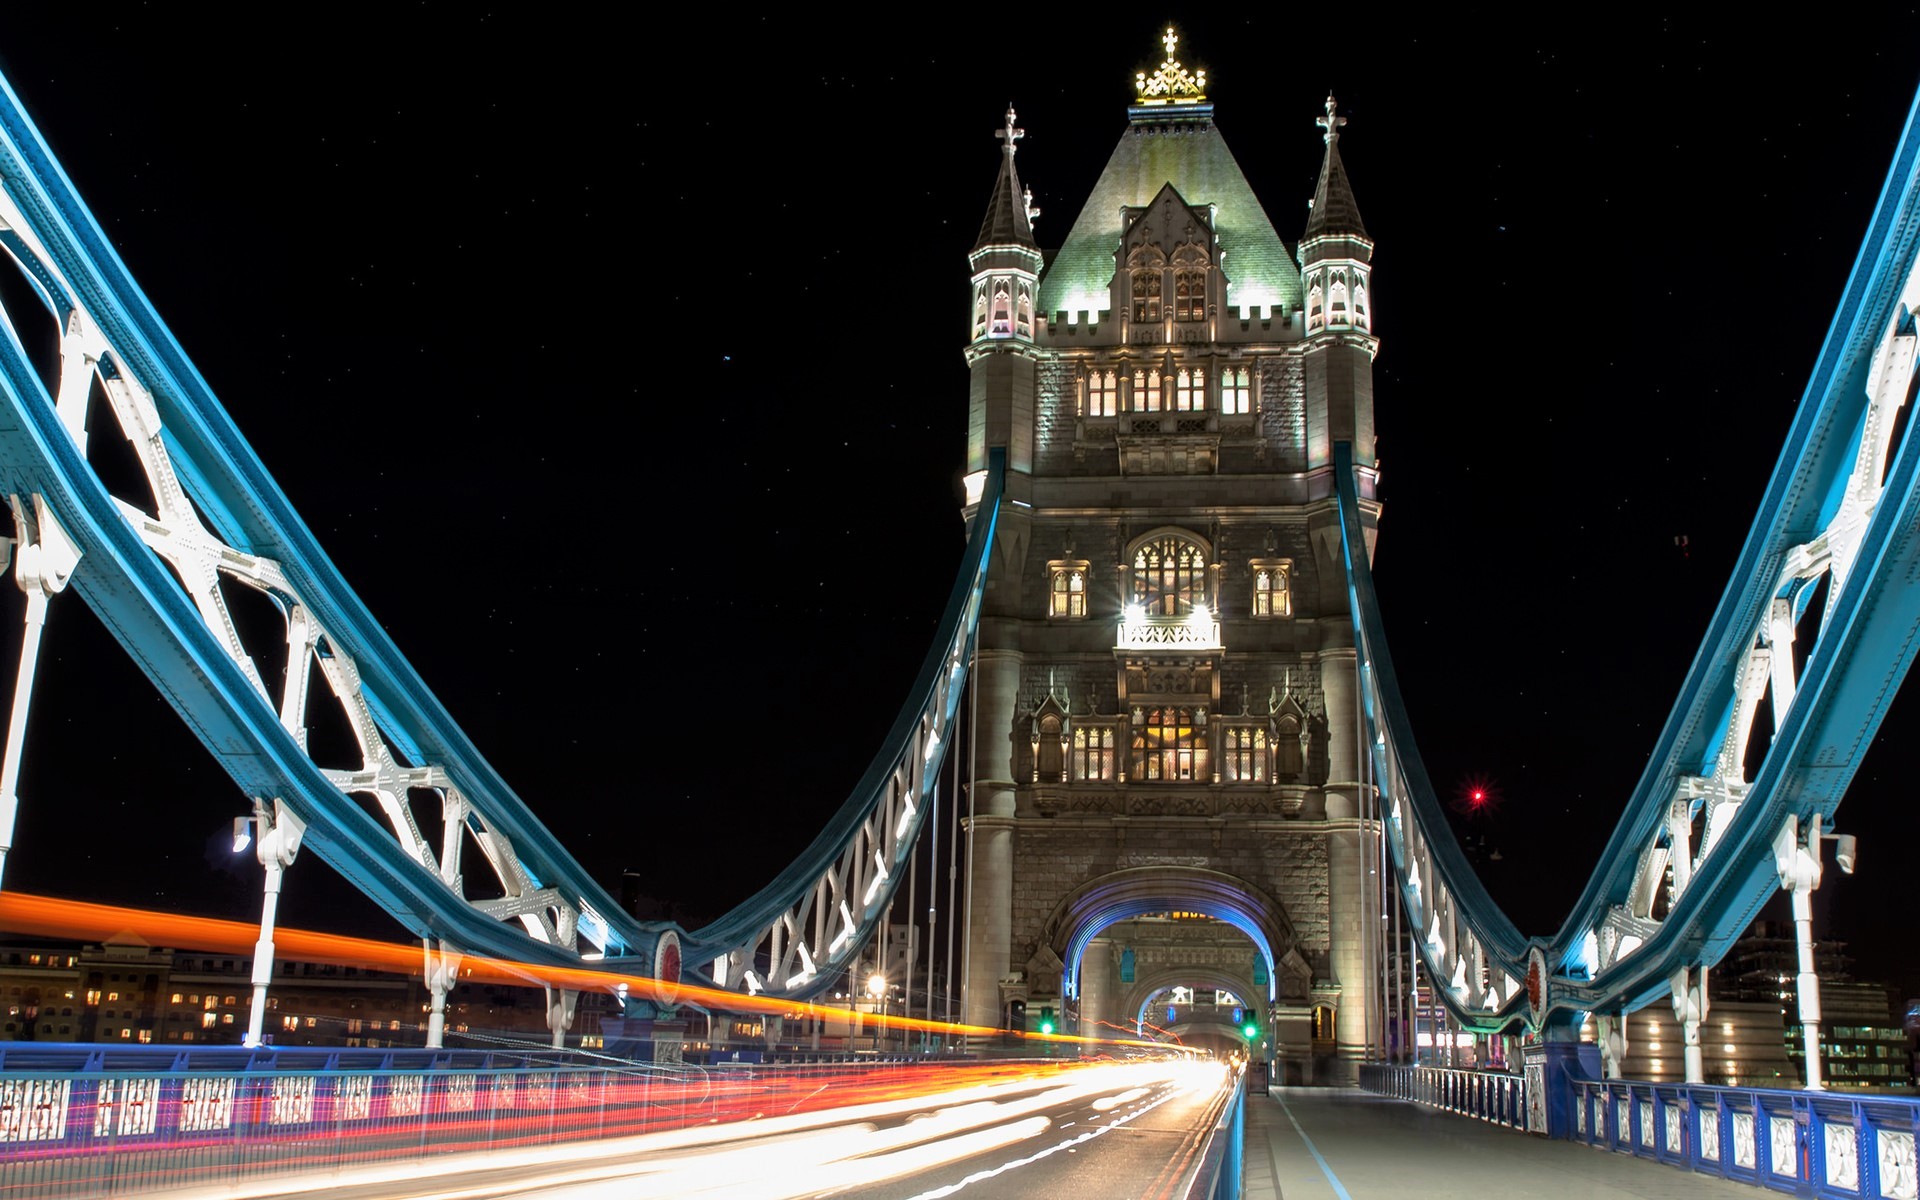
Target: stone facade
{"type": "Point", "coordinates": [1165, 673]}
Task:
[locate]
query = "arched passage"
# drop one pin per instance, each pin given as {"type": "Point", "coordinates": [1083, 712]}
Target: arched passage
{"type": "Point", "coordinates": [1138, 891]}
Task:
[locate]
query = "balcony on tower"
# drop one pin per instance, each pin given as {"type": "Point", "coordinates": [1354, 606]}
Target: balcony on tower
{"type": "Point", "coordinates": [1195, 629]}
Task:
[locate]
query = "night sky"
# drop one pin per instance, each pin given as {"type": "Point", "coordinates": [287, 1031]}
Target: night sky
{"type": "Point", "coordinates": [619, 369]}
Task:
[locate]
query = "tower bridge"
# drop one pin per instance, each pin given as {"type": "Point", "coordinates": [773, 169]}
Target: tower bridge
{"type": "Point", "coordinates": [1159, 691]}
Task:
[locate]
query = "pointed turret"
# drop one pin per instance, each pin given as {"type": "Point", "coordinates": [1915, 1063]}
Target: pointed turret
{"type": "Point", "coordinates": [1009, 220]}
{"type": "Point", "coordinates": [1334, 210]}
{"type": "Point", "coordinates": [1336, 258]}
{"type": "Point", "coordinates": [1006, 265]}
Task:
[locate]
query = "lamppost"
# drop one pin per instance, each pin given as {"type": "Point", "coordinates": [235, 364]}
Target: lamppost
{"type": "Point", "coordinates": [278, 844]}
{"type": "Point", "coordinates": [1797, 860]}
{"type": "Point", "coordinates": [877, 988]}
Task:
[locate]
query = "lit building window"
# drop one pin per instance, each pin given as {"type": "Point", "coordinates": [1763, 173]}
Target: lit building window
{"type": "Point", "coordinates": [93, 996]}
{"type": "Point", "coordinates": [1024, 313]}
{"type": "Point", "coordinates": [1146, 391]}
{"type": "Point", "coordinates": [226, 1018]}
{"type": "Point", "coordinates": [1169, 576]}
{"type": "Point", "coordinates": [146, 1037]}
{"type": "Point", "coordinates": [1067, 591]}
{"type": "Point", "coordinates": [1189, 295]}
{"type": "Point", "coordinates": [1272, 587]}
{"type": "Point", "coordinates": [126, 1035]}
{"type": "Point", "coordinates": [209, 1020]}
{"type": "Point", "coordinates": [1189, 391]}
{"type": "Point", "coordinates": [1246, 754]}
{"type": "Point", "coordinates": [1093, 747]}
{"type": "Point", "coordinates": [1169, 744]}
{"type": "Point", "coordinates": [1146, 294]}
{"type": "Point", "coordinates": [176, 997]}
{"type": "Point", "coordinates": [1235, 394]}
{"type": "Point", "coordinates": [1103, 394]}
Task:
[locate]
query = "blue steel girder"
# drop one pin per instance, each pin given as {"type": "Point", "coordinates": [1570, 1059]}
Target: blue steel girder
{"type": "Point", "coordinates": [156, 569]}
{"type": "Point", "coordinates": [1842, 505]}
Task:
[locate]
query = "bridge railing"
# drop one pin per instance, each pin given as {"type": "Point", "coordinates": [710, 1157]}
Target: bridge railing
{"type": "Point", "coordinates": [113, 1132]}
{"type": "Point", "coordinates": [1222, 1158]}
{"type": "Point", "coordinates": [1809, 1143]}
{"type": "Point", "coordinates": [1496, 1097]}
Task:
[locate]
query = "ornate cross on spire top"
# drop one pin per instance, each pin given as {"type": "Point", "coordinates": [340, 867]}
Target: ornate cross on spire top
{"type": "Point", "coordinates": [1330, 123]}
{"type": "Point", "coordinates": [1010, 133]}
{"type": "Point", "coordinates": [1171, 83]}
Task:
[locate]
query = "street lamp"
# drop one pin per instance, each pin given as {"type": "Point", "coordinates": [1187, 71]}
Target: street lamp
{"type": "Point", "coordinates": [877, 988]}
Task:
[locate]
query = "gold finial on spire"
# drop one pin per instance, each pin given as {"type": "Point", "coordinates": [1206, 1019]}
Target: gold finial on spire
{"type": "Point", "coordinates": [1171, 83]}
{"type": "Point", "coordinates": [1330, 123]}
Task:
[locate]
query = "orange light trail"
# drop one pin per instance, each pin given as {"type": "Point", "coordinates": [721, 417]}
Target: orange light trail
{"type": "Point", "coordinates": [51, 916]}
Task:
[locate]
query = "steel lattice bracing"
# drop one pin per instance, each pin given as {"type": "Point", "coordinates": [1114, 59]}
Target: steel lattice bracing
{"type": "Point", "coordinates": [422, 825]}
{"type": "Point", "coordinates": [1694, 855]}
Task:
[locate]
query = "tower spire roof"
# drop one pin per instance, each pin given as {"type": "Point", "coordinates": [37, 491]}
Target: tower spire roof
{"type": "Point", "coordinates": [1334, 209]}
{"type": "Point", "coordinates": [1010, 211]}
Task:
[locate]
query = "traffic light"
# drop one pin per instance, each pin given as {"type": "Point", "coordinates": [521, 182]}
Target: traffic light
{"type": "Point", "coordinates": [1046, 1020]}
{"type": "Point", "coordinates": [1017, 1016]}
{"type": "Point", "coordinates": [1251, 1029]}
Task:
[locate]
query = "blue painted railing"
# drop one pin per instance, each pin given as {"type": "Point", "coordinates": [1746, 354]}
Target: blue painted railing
{"type": "Point", "coordinates": [1824, 1144]}
{"type": "Point", "coordinates": [1222, 1159]}
{"type": "Point", "coordinates": [129, 1123]}
{"type": "Point", "coordinates": [1493, 1096]}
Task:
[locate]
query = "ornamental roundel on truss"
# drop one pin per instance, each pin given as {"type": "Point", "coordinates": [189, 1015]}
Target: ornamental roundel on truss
{"type": "Point", "coordinates": [666, 966]}
{"type": "Point", "coordinates": [1536, 988]}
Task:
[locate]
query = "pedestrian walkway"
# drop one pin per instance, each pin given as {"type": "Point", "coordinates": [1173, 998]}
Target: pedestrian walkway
{"type": "Point", "coordinates": [1345, 1144]}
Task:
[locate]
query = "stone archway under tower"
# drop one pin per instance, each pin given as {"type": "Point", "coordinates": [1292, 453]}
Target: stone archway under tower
{"type": "Point", "coordinates": [1119, 932]}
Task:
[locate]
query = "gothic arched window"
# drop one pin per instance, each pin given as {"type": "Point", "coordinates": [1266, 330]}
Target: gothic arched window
{"type": "Point", "coordinates": [1146, 294]}
{"type": "Point", "coordinates": [1146, 391]}
{"type": "Point", "coordinates": [1189, 295]}
{"type": "Point", "coordinates": [980, 311]}
{"type": "Point", "coordinates": [1170, 744]}
{"type": "Point", "coordinates": [1235, 394]}
{"type": "Point", "coordinates": [1002, 309]}
{"type": "Point", "coordinates": [1024, 313]}
{"type": "Point", "coordinates": [1189, 391]}
{"type": "Point", "coordinates": [1092, 752]}
{"type": "Point", "coordinates": [1103, 394]}
{"type": "Point", "coordinates": [1068, 593]}
{"type": "Point", "coordinates": [1169, 576]}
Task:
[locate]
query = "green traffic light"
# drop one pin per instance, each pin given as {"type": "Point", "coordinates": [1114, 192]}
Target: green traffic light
{"type": "Point", "coordinates": [1251, 1030]}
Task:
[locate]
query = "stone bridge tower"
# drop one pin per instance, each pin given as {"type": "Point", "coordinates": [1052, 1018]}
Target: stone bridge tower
{"type": "Point", "coordinates": [1168, 808]}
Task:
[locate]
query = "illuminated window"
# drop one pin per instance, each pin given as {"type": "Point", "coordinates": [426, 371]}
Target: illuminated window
{"type": "Point", "coordinates": [1146, 294]}
{"type": "Point", "coordinates": [1337, 302]}
{"type": "Point", "coordinates": [126, 1035]}
{"type": "Point", "coordinates": [1169, 744]}
{"type": "Point", "coordinates": [1092, 754]}
{"type": "Point", "coordinates": [1002, 323]}
{"type": "Point", "coordinates": [1272, 589]}
{"type": "Point", "coordinates": [1103, 394]}
{"type": "Point", "coordinates": [229, 1000]}
{"type": "Point", "coordinates": [312, 1021]}
{"type": "Point", "coordinates": [1169, 576]}
{"type": "Point", "coordinates": [1067, 591]}
{"type": "Point", "coordinates": [1189, 391]}
{"type": "Point", "coordinates": [93, 996]}
{"type": "Point", "coordinates": [1189, 295]}
{"type": "Point", "coordinates": [226, 1018]}
{"type": "Point", "coordinates": [113, 996]}
{"type": "Point", "coordinates": [146, 1036]}
{"type": "Point", "coordinates": [176, 997]}
{"type": "Point", "coordinates": [1246, 754]}
{"type": "Point", "coordinates": [1235, 395]}
{"type": "Point", "coordinates": [209, 1020]}
{"type": "Point", "coordinates": [1146, 391]}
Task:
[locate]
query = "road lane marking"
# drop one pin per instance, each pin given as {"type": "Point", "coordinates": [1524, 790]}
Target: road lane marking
{"type": "Point", "coordinates": [1313, 1150]}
